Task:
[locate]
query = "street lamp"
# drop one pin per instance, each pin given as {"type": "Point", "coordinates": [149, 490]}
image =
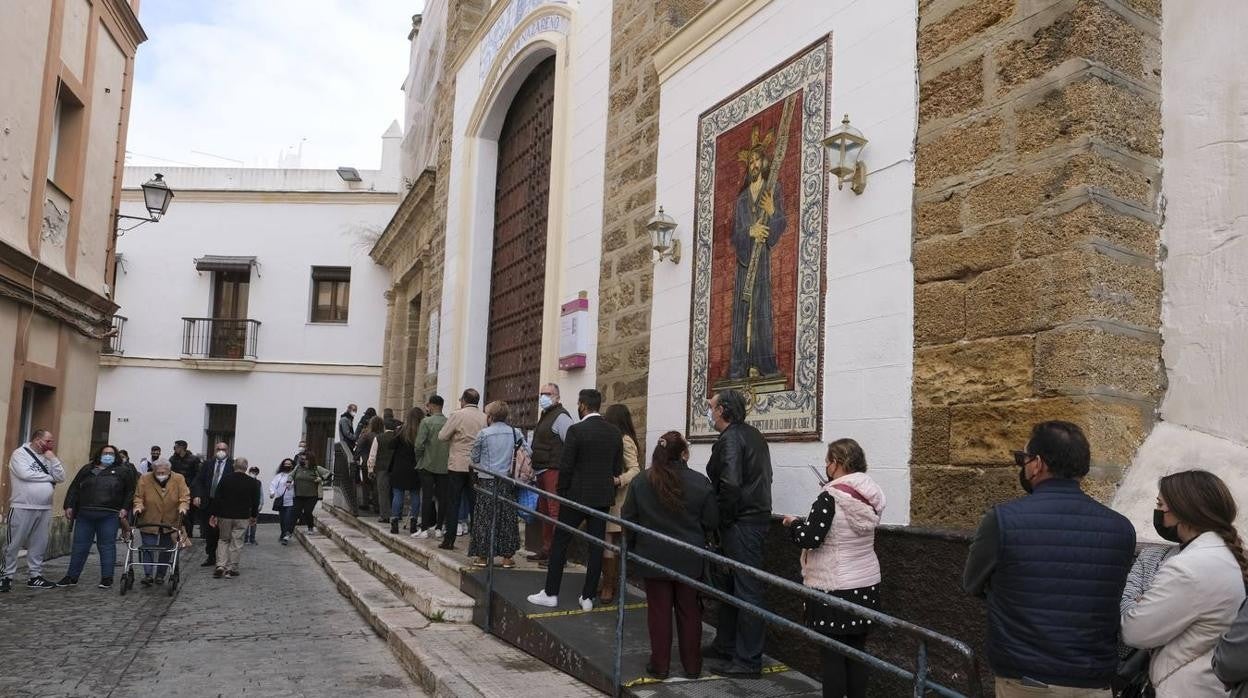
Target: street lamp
{"type": "Point", "coordinates": [156, 197]}
{"type": "Point", "coordinates": [663, 237]}
{"type": "Point", "coordinates": [844, 146]}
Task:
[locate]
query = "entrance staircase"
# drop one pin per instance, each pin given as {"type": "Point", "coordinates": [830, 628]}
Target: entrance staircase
{"type": "Point", "coordinates": [429, 604]}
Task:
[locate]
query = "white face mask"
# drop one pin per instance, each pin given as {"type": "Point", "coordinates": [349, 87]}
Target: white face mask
{"type": "Point", "coordinates": [545, 402]}
{"type": "Point", "coordinates": [710, 418]}
{"type": "Point", "coordinates": [221, 455]}
{"type": "Point", "coordinates": [162, 478]}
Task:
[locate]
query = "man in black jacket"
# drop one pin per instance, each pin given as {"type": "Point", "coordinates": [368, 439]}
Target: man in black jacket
{"type": "Point", "coordinates": [593, 456]}
{"type": "Point", "coordinates": [204, 490]}
{"type": "Point", "coordinates": [187, 465]}
{"type": "Point", "coordinates": [233, 508]}
{"type": "Point", "coordinates": [740, 472]}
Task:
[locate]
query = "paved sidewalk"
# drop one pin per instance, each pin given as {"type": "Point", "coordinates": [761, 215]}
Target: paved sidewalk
{"type": "Point", "coordinates": [280, 629]}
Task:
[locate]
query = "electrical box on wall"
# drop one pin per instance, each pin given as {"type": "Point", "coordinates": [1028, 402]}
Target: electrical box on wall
{"type": "Point", "coordinates": [574, 333]}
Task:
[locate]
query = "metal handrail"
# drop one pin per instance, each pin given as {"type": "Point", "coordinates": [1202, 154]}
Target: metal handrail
{"type": "Point", "coordinates": [919, 678]}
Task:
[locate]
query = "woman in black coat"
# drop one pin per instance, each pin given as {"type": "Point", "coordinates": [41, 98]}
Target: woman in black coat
{"type": "Point", "coordinates": [402, 468]}
{"type": "Point", "coordinates": [677, 502]}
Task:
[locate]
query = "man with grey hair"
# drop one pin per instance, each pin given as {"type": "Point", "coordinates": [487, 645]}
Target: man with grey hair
{"type": "Point", "coordinates": [36, 470]}
{"type": "Point", "coordinates": [235, 506]}
{"type": "Point", "coordinates": [548, 437]}
{"type": "Point", "coordinates": [740, 473]}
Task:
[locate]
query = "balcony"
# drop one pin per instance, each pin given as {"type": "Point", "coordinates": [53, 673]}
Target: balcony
{"type": "Point", "coordinates": [112, 343]}
{"type": "Point", "coordinates": [220, 343]}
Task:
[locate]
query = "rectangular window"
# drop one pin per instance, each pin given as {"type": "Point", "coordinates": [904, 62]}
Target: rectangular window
{"type": "Point", "coordinates": [221, 421]}
{"type": "Point", "coordinates": [331, 293]}
{"type": "Point", "coordinates": [66, 145]}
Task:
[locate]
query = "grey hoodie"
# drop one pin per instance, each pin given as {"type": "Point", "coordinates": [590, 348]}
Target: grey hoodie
{"type": "Point", "coordinates": [34, 478]}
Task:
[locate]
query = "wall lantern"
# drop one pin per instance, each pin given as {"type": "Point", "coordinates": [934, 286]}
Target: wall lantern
{"type": "Point", "coordinates": [663, 237]}
{"type": "Point", "coordinates": [156, 197]}
{"type": "Point", "coordinates": [844, 146]}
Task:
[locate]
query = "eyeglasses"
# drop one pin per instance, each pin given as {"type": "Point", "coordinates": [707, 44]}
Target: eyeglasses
{"type": "Point", "coordinates": [1022, 458]}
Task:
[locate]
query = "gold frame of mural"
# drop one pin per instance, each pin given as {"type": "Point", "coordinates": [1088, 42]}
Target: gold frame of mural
{"type": "Point", "coordinates": [783, 407]}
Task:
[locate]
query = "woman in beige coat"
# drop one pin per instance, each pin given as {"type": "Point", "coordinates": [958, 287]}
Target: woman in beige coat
{"type": "Point", "coordinates": [1196, 593]}
{"type": "Point", "coordinates": [620, 417]}
{"type": "Point", "coordinates": [161, 498]}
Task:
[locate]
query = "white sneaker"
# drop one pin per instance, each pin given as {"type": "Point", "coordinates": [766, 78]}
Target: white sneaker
{"type": "Point", "coordinates": [586, 604]}
{"type": "Point", "coordinates": [462, 530]}
{"type": "Point", "coordinates": [418, 534]}
{"type": "Point", "coordinates": [434, 533]}
{"type": "Point", "coordinates": [541, 599]}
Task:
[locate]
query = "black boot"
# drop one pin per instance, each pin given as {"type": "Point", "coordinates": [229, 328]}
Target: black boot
{"type": "Point", "coordinates": [394, 526]}
{"type": "Point", "coordinates": [413, 526]}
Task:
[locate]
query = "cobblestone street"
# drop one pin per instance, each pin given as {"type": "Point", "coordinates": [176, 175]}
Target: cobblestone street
{"type": "Point", "coordinates": [280, 629]}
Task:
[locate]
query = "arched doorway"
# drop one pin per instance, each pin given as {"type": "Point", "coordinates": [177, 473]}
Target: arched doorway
{"type": "Point", "coordinates": [518, 267]}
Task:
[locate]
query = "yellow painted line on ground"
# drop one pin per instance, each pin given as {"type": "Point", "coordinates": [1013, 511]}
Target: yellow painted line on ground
{"type": "Point", "coordinates": [645, 680]}
{"type": "Point", "coordinates": [579, 612]}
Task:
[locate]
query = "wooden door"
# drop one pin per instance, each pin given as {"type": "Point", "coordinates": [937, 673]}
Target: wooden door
{"type": "Point", "coordinates": [229, 314]}
{"type": "Point", "coordinates": [518, 273]}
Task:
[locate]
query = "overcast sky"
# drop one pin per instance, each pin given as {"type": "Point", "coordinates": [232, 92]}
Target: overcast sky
{"type": "Point", "coordinates": [249, 80]}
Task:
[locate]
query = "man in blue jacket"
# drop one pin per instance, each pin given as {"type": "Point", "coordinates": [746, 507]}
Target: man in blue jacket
{"type": "Point", "coordinates": [1052, 566]}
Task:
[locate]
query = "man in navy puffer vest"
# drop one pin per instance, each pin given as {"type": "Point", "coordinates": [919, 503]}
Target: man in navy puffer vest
{"type": "Point", "coordinates": [1052, 566]}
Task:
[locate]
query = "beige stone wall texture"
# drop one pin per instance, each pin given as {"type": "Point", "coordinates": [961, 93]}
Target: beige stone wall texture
{"type": "Point", "coordinates": [418, 269]}
{"type": "Point", "coordinates": [1037, 291]}
{"type": "Point", "coordinates": [627, 273]}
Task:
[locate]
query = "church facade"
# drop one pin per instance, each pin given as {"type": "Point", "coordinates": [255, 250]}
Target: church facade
{"type": "Point", "coordinates": [1000, 258]}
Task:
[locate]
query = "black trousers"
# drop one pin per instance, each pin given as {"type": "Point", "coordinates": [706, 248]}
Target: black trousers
{"type": "Point", "coordinates": [303, 511]}
{"type": "Point", "coordinates": [844, 677]}
{"type": "Point", "coordinates": [459, 485]}
{"type": "Point", "coordinates": [739, 633]}
{"type": "Point", "coordinates": [433, 495]}
{"type": "Point", "coordinates": [559, 551]}
{"type": "Point", "coordinates": [211, 533]}
{"type": "Point", "coordinates": [192, 515]}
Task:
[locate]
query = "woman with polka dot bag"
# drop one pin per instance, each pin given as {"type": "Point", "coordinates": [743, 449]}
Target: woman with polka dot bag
{"type": "Point", "coordinates": [838, 557]}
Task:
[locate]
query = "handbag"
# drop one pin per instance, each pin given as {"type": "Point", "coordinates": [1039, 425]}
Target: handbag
{"type": "Point", "coordinates": [1131, 679]}
{"type": "Point", "coordinates": [521, 464]}
{"type": "Point", "coordinates": [526, 498]}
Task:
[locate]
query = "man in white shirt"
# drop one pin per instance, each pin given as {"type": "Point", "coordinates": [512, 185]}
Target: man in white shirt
{"type": "Point", "coordinates": [35, 470]}
{"type": "Point", "coordinates": [145, 465]}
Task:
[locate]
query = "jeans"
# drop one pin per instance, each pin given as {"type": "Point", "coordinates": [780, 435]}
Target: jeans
{"type": "Point", "coordinates": [100, 528]}
{"type": "Point", "coordinates": [559, 551]}
{"type": "Point", "coordinates": [456, 484]}
{"type": "Point", "coordinates": [736, 633]}
{"type": "Point", "coordinates": [163, 540]}
{"type": "Point", "coordinates": [249, 536]}
{"type": "Point", "coordinates": [396, 502]}
{"type": "Point", "coordinates": [286, 517]}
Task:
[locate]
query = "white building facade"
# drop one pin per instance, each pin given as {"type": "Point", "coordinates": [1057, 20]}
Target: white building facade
{"type": "Point", "coordinates": [251, 311]}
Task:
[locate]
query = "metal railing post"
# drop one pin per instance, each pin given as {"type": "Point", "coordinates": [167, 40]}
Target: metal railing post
{"type": "Point", "coordinates": [621, 595]}
{"type": "Point", "coordinates": [920, 671]}
{"type": "Point", "coordinates": [489, 565]}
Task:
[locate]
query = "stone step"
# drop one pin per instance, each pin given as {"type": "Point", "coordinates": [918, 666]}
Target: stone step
{"type": "Point", "coordinates": [422, 589]}
{"type": "Point", "coordinates": [447, 565]}
{"type": "Point", "coordinates": [449, 660]}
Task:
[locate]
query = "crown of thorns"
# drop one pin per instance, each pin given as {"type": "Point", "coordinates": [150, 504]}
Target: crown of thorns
{"type": "Point", "coordinates": [759, 143]}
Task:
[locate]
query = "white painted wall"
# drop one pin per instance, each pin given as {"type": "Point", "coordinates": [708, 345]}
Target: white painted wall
{"type": "Point", "coordinates": [578, 162]}
{"type": "Point", "coordinates": [868, 312]}
{"type": "Point", "coordinates": [1205, 234]}
{"type": "Point", "coordinates": [290, 220]}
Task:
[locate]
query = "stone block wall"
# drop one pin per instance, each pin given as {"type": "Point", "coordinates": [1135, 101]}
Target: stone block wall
{"type": "Point", "coordinates": [1037, 290]}
{"type": "Point", "coordinates": [638, 27]}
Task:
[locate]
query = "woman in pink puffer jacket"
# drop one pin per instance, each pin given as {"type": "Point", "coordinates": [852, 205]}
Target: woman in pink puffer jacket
{"type": "Point", "coordinates": [838, 557]}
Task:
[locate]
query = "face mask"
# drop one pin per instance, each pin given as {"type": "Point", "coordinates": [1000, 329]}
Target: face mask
{"type": "Point", "coordinates": [1022, 480]}
{"type": "Point", "coordinates": [302, 449]}
{"type": "Point", "coordinates": [221, 455]}
{"type": "Point", "coordinates": [108, 459]}
{"type": "Point", "coordinates": [710, 418]}
{"type": "Point", "coordinates": [1170, 533]}
{"type": "Point", "coordinates": [162, 478]}
{"type": "Point", "coordinates": [545, 402]}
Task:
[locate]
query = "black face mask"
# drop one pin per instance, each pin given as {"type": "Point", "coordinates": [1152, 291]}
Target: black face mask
{"type": "Point", "coordinates": [1170, 533]}
{"type": "Point", "coordinates": [1023, 481]}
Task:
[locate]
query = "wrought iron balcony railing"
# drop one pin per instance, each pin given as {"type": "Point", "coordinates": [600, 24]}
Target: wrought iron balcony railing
{"type": "Point", "coordinates": [219, 338]}
{"type": "Point", "coordinates": [112, 343]}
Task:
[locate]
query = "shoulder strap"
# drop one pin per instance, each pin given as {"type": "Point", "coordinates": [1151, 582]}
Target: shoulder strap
{"type": "Point", "coordinates": [853, 493]}
{"type": "Point", "coordinates": [37, 460]}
